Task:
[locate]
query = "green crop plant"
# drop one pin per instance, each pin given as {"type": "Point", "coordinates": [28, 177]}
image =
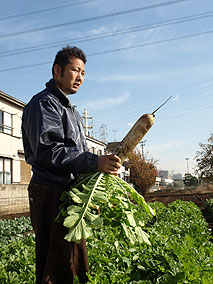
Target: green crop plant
{"type": "Point", "coordinates": [102, 199]}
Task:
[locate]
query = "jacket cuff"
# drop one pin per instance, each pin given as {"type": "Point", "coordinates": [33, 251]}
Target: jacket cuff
{"type": "Point", "coordinates": [93, 161]}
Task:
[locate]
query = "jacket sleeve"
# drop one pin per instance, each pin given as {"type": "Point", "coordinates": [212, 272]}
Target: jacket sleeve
{"type": "Point", "coordinates": [45, 132]}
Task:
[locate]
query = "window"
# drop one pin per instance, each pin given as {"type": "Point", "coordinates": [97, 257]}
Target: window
{"type": "Point", "coordinates": [1, 120]}
{"type": "Point", "coordinates": [5, 171]}
{"type": "Point", "coordinates": [5, 122]}
{"type": "Point", "coordinates": [92, 150]}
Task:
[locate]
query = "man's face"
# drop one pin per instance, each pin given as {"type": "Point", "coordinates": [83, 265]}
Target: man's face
{"type": "Point", "coordinates": [73, 76]}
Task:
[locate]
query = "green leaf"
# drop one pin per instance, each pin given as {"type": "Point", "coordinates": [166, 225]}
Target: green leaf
{"type": "Point", "coordinates": [142, 236]}
{"type": "Point", "coordinates": [95, 219]}
{"type": "Point", "coordinates": [129, 233]}
{"type": "Point", "coordinates": [77, 225]}
{"type": "Point", "coordinates": [100, 196]}
{"type": "Point", "coordinates": [135, 196]}
{"type": "Point", "coordinates": [74, 208]}
{"type": "Point", "coordinates": [70, 221]}
{"type": "Point", "coordinates": [75, 198]}
{"type": "Point", "coordinates": [131, 219]}
{"type": "Point", "coordinates": [77, 233]}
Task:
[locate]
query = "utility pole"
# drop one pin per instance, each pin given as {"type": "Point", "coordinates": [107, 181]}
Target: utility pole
{"type": "Point", "coordinates": [103, 133]}
{"type": "Point", "coordinates": [86, 117]}
{"type": "Point", "coordinates": [187, 165]}
{"type": "Point", "coordinates": [142, 143]}
{"type": "Point", "coordinates": [114, 130]}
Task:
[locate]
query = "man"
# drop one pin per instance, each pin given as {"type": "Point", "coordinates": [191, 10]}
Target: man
{"type": "Point", "coordinates": [55, 146]}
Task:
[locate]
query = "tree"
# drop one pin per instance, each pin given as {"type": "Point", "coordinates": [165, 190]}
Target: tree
{"type": "Point", "coordinates": [190, 180]}
{"type": "Point", "coordinates": [204, 159]}
{"type": "Point", "coordinates": [143, 172]}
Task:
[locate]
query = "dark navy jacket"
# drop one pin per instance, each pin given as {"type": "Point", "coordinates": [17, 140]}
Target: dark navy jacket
{"type": "Point", "coordinates": [53, 139]}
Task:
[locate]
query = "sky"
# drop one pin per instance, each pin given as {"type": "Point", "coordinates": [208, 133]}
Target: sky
{"type": "Point", "coordinates": [139, 53]}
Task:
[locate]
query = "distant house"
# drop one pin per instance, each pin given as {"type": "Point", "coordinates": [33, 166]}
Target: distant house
{"type": "Point", "coordinates": [13, 168]}
{"type": "Point", "coordinates": [95, 146]}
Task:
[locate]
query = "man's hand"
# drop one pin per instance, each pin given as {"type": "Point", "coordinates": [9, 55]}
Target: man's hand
{"type": "Point", "coordinates": [109, 164]}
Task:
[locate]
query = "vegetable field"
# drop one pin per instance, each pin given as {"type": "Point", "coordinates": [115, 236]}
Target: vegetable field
{"type": "Point", "coordinates": [180, 250]}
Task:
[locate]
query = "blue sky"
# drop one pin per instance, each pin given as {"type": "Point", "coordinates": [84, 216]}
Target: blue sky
{"type": "Point", "coordinates": [139, 54]}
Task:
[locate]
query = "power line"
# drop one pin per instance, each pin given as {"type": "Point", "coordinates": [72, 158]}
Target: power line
{"type": "Point", "coordinates": [137, 106]}
{"type": "Point", "coordinates": [46, 10]}
{"type": "Point", "coordinates": [26, 66]}
{"type": "Point", "coordinates": [180, 113]}
{"type": "Point", "coordinates": [110, 34]}
{"type": "Point", "coordinates": [92, 19]}
{"type": "Point", "coordinates": [156, 100]}
{"type": "Point", "coordinates": [153, 102]}
{"type": "Point", "coordinates": [148, 44]}
{"type": "Point", "coordinates": [185, 113]}
{"type": "Point", "coordinates": [116, 50]}
{"type": "Point", "coordinates": [113, 116]}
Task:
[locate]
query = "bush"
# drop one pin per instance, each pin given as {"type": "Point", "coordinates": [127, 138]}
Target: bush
{"type": "Point", "coordinates": [209, 206]}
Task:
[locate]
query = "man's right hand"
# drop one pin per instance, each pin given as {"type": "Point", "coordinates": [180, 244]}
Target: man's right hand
{"type": "Point", "coordinates": [109, 164]}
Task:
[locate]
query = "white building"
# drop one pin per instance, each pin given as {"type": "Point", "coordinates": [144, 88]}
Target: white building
{"type": "Point", "coordinates": [165, 174]}
{"type": "Point", "coordinates": [177, 176]}
{"type": "Point", "coordinates": [95, 146]}
{"type": "Point", "coordinates": [13, 168]}
{"type": "Point", "coordinates": [166, 178]}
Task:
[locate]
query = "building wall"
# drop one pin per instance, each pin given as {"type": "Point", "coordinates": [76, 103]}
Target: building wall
{"type": "Point", "coordinates": [95, 146]}
{"type": "Point", "coordinates": [11, 140]}
{"type": "Point", "coordinates": [13, 199]}
{"type": "Point", "coordinates": [165, 174]}
{"type": "Point", "coordinates": [25, 172]}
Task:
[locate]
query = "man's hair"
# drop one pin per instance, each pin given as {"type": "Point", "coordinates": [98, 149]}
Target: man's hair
{"type": "Point", "coordinates": [63, 57]}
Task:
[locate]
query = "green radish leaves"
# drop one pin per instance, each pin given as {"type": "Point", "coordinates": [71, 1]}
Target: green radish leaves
{"type": "Point", "coordinates": [98, 199]}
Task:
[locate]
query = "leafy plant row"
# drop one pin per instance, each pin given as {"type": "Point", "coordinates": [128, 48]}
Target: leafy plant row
{"type": "Point", "coordinates": [180, 250]}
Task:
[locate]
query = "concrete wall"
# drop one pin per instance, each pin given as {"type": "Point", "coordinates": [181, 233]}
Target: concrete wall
{"type": "Point", "coordinates": [13, 199]}
{"type": "Point", "coordinates": [197, 195]}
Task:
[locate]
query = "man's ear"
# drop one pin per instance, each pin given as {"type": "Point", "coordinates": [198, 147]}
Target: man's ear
{"type": "Point", "coordinates": [57, 71]}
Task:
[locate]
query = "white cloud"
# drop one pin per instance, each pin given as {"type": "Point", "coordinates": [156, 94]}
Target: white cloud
{"type": "Point", "coordinates": [176, 98]}
{"type": "Point", "coordinates": [23, 40]}
{"type": "Point", "coordinates": [106, 102]}
{"type": "Point", "coordinates": [100, 30]}
{"type": "Point", "coordinates": [160, 149]}
{"type": "Point", "coordinates": [153, 76]}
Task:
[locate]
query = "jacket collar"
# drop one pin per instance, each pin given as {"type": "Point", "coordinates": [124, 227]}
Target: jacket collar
{"type": "Point", "coordinates": [51, 86]}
